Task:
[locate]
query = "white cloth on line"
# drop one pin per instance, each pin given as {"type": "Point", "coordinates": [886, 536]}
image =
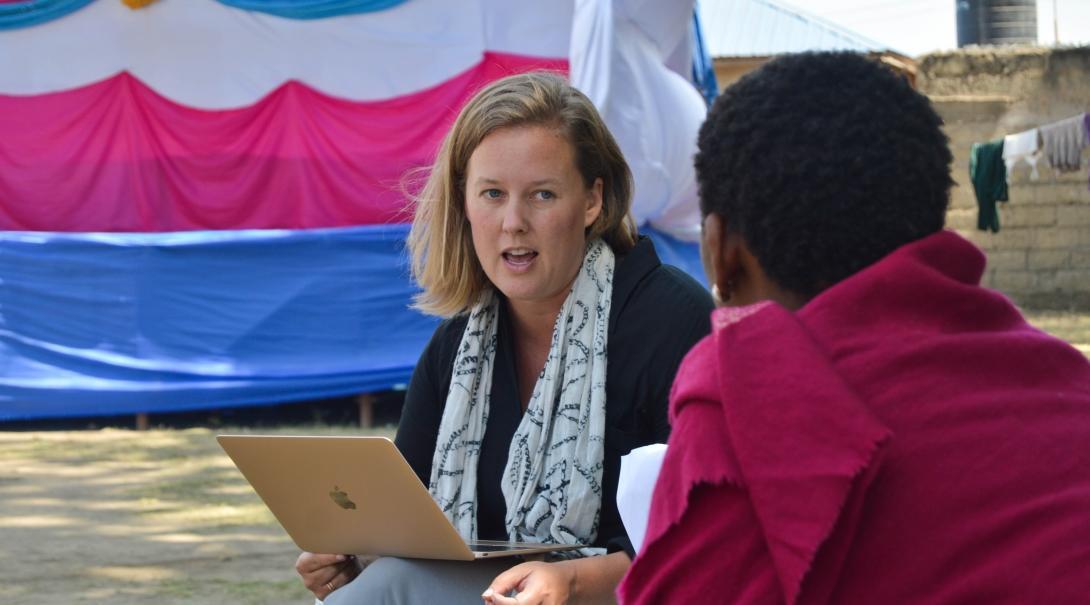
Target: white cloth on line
{"type": "Point", "coordinates": [1022, 146]}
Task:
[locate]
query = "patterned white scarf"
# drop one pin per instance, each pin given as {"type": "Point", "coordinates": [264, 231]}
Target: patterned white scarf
{"type": "Point", "coordinates": [553, 479]}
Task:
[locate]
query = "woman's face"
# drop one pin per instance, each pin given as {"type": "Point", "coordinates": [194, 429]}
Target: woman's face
{"type": "Point", "coordinates": [528, 208]}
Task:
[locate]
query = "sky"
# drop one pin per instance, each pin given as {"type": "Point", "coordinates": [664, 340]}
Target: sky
{"type": "Point", "coordinates": [915, 27]}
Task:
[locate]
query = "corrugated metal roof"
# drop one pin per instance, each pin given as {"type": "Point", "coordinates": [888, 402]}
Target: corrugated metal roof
{"type": "Point", "coordinates": [757, 28]}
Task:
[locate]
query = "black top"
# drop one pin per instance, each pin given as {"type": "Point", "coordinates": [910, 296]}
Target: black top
{"type": "Point", "coordinates": [657, 314]}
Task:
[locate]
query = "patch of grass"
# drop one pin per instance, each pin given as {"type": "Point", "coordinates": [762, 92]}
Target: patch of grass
{"type": "Point", "coordinates": [157, 445]}
{"type": "Point", "coordinates": [263, 592]}
{"type": "Point", "coordinates": [12, 593]}
{"type": "Point", "coordinates": [180, 589]}
{"type": "Point", "coordinates": [213, 516]}
{"type": "Point", "coordinates": [202, 485]}
{"type": "Point", "coordinates": [109, 445]}
{"type": "Point", "coordinates": [219, 590]}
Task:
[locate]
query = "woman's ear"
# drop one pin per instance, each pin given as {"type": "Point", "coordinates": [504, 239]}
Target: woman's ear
{"type": "Point", "coordinates": [721, 255]}
{"type": "Point", "coordinates": [735, 274]}
{"type": "Point", "coordinates": [594, 202]}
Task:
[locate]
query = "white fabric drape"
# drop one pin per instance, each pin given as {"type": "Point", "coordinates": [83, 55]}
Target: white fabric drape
{"type": "Point", "coordinates": [624, 56]}
{"type": "Point", "coordinates": [205, 54]}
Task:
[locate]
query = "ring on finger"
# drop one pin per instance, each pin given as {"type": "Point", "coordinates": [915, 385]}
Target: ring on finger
{"type": "Point", "coordinates": [329, 586]}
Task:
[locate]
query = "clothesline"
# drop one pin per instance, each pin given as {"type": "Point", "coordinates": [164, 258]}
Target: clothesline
{"type": "Point", "coordinates": [991, 163]}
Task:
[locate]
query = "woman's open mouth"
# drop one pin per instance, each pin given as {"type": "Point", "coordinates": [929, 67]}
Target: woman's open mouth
{"type": "Point", "coordinates": [519, 259]}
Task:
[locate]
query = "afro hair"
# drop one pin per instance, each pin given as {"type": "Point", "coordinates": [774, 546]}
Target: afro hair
{"type": "Point", "coordinates": [824, 163]}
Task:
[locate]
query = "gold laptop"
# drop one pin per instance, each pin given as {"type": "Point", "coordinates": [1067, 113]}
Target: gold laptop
{"type": "Point", "coordinates": [355, 495]}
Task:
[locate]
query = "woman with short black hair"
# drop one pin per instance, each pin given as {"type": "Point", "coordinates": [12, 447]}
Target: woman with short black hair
{"type": "Point", "coordinates": [866, 423]}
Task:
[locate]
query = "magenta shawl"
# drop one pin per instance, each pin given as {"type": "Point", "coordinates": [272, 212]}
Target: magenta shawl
{"type": "Point", "coordinates": [906, 437]}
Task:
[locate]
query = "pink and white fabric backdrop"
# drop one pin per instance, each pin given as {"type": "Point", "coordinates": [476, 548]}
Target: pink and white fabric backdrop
{"type": "Point", "coordinates": [203, 206]}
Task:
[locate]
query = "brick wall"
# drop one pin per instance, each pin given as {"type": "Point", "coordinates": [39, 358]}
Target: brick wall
{"type": "Point", "coordinates": [1041, 255]}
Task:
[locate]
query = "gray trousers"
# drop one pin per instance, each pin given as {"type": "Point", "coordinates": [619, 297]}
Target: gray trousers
{"type": "Point", "coordinates": [393, 581]}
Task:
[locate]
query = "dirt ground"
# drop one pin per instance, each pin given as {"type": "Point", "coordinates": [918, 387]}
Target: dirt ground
{"type": "Point", "coordinates": [162, 516]}
{"type": "Point", "coordinates": [124, 517]}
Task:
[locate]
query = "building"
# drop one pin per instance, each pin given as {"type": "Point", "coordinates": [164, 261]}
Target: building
{"type": "Point", "coordinates": [742, 35]}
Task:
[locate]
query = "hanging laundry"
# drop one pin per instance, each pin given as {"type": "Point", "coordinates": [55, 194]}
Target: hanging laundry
{"type": "Point", "coordinates": [1064, 141]}
{"type": "Point", "coordinates": [988, 173]}
{"type": "Point", "coordinates": [1022, 147]}
{"type": "Point", "coordinates": [1086, 130]}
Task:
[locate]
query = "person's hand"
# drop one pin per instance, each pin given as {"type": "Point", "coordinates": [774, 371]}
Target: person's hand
{"type": "Point", "coordinates": [535, 583]}
{"type": "Point", "coordinates": [322, 574]}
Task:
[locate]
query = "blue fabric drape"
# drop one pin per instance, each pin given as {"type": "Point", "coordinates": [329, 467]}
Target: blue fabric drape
{"type": "Point", "coordinates": [100, 324]}
{"type": "Point", "coordinates": [681, 254]}
{"type": "Point", "coordinates": [116, 323]}
{"type": "Point", "coordinates": [703, 68]}
{"type": "Point", "coordinates": [312, 9]}
{"type": "Point", "coordinates": [33, 12]}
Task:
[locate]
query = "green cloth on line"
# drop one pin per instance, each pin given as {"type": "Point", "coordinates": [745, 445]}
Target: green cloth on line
{"type": "Point", "coordinates": [989, 176]}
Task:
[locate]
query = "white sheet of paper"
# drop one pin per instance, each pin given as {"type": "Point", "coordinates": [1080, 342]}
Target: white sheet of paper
{"type": "Point", "coordinates": [635, 486]}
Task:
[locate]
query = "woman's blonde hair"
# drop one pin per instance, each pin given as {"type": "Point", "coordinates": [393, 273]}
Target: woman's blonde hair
{"type": "Point", "coordinates": [443, 259]}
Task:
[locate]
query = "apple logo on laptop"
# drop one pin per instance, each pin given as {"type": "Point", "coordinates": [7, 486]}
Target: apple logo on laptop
{"type": "Point", "coordinates": [341, 498]}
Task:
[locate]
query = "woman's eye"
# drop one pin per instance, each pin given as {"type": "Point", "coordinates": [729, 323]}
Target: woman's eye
{"type": "Point", "coordinates": [492, 194]}
{"type": "Point", "coordinates": [546, 195]}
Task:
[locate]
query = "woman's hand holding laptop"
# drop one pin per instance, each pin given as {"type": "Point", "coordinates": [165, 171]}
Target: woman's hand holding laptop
{"type": "Point", "coordinates": [322, 574]}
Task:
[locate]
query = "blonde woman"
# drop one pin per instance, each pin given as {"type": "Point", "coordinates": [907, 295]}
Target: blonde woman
{"type": "Point", "coordinates": [562, 337]}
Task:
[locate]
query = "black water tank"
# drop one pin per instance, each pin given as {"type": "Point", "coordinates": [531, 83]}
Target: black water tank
{"type": "Point", "coordinates": [996, 22]}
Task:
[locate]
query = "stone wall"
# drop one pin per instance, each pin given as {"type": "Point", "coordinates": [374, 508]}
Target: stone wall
{"type": "Point", "coordinates": [1041, 255]}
